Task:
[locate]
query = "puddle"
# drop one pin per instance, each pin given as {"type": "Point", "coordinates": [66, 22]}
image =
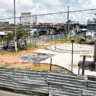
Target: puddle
{"type": "Point", "coordinates": [36, 58]}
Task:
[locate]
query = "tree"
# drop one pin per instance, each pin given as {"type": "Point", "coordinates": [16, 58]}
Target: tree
{"type": "Point", "coordinates": [22, 33]}
{"type": "Point", "coordinates": [8, 37]}
{"type": "Point", "coordinates": [1, 39]}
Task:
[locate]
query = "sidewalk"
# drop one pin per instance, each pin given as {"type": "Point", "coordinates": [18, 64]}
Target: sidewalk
{"type": "Point", "coordinates": [64, 59]}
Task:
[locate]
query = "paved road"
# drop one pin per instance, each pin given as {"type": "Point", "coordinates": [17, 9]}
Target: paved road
{"type": "Point", "coordinates": [6, 93]}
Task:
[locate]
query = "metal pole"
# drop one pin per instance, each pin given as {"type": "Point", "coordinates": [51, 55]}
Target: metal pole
{"type": "Point", "coordinates": [72, 56]}
{"type": "Point", "coordinates": [15, 37]}
{"type": "Point", "coordinates": [83, 65]}
{"type": "Point", "coordinates": [68, 22]}
{"type": "Point", "coordinates": [50, 64]}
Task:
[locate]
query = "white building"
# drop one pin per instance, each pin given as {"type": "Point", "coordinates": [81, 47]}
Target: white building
{"type": "Point", "coordinates": [4, 25]}
{"type": "Point", "coordinates": [26, 19]}
{"type": "Point", "coordinates": [91, 26]}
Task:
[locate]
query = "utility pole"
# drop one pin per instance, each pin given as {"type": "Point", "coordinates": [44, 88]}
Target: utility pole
{"type": "Point", "coordinates": [68, 22]}
{"type": "Point", "coordinates": [15, 37]}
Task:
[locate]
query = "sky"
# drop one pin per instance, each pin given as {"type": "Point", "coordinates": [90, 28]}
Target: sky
{"type": "Point", "coordinates": [49, 6]}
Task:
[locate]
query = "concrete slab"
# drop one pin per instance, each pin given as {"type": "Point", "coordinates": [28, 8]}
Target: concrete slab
{"type": "Point", "coordinates": [64, 59]}
{"type": "Point", "coordinates": [45, 51]}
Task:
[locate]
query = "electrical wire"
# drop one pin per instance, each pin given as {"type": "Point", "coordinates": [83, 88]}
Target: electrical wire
{"type": "Point", "coordinates": [52, 13]}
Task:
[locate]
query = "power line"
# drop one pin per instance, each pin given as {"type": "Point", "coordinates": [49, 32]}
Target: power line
{"type": "Point", "coordinates": [66, 12]}
{"type": "Point", "coordinates": [53, 13]}
{"type": "Point", "coordinates": [9, 18]}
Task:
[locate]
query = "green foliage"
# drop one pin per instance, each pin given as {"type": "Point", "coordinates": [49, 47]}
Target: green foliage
{"type": "Point", "coordinates": [0, 39]}
{"type": "Point", "coordinates": [22, 32]}
{"type": "Point", "coordinates": [68, 40]}
{"type": "Point", "coordinates": [77, 41]}
{"type": "Point", "coordinates": [64, 39]}
{"type": "Point", "coordinates": [9, 36]}
{"type": "Point", "coordinates": [35, 35]}
{"type": "Point", "coordinates": [28, 46]}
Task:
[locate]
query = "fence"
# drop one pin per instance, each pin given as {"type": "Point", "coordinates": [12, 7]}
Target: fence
{"type": "Point", "coordinates": [30, 40]}
{"type": "Point", "coordinates": [50, 83]}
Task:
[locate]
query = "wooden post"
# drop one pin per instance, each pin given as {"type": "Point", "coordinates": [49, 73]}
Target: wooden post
{"type": "Point", "coordinates": [50, 64]}
{"type": "Point", "coordinates": [95, 50]}
{"type": "Point", "coordinates": [83, 65]}
{"type": "Point", "coordinates": [78, 69]}
{"type": "Point", "coordinates": [72, 56]}
{"type": "Point", "coordinates": [95, 54]}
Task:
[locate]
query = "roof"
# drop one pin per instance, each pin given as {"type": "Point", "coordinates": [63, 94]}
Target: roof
{"type": "Point", "coordinates": [2, 33]}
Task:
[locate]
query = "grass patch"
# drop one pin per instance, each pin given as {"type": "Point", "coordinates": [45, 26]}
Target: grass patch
{"type": "Point", "coordinates": [66, 40]}
{"type": "Point", "coordinates": [63, 40]}
{"type": "Point", "coordinates": [34, 66]}
{"type": "Point", "coordinates": [34, 46]}
{"type": "Point", "coordinates": [29, 48]}
{"type": "Point", "coordinates": [5, 65]}
{"type": "Point", "coordinates": [3, 52]}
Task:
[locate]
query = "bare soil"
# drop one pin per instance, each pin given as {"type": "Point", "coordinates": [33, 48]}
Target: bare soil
{"type": "Point", "coordinates": [12, 60]}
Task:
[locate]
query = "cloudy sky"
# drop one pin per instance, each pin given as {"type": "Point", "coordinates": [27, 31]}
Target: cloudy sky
{"type": "Point", "coordinates": [48, 6]}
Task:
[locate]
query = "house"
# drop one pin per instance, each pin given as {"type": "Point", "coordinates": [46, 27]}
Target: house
{"type": "Point", "coordinates": [4, 32]}
{"type": "Point", "coordinates": [91, 27]}
{"type": "Point", "coordinates": [4, 25]}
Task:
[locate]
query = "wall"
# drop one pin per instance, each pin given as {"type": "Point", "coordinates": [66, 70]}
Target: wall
{"type": "Point", "coordinates": [52, 83]}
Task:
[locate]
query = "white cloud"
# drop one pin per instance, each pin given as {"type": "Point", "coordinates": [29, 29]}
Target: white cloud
{"type": "Point", "coordinates": [2, 11]}
{"type": "Point", "coordinates": [25, 4]}
{"type": "Point", "coordinates": [93, 2]}
{"type": "Point", "coordinates": [48, 6]}
{"type": "Point", "coordinates": [51, 2]}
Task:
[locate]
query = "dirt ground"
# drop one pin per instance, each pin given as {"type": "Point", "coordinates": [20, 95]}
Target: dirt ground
{"type": "Point", "coordinates": [12, 60]}
{"type": "Point", "coordinates": [15, 57]}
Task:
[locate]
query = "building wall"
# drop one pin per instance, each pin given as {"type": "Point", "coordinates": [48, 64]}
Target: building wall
{"type": "Point", "coordinates": [4, 25]}
{"type": "Point", "coordinates": [26, 18]}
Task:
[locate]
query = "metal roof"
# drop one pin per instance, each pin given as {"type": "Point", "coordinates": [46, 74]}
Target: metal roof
{"type": "Point", "coordinates": [2, 33]}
